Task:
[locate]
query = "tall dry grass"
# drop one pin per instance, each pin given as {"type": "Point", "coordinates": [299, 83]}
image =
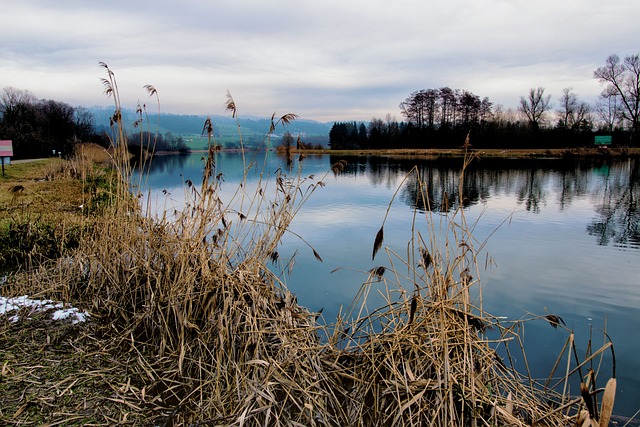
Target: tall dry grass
{"type": "Point", "coordinates": [208, 335]}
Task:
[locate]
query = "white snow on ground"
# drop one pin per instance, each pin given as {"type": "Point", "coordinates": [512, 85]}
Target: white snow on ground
{"type": "Point", "coordinates": [24, 303]}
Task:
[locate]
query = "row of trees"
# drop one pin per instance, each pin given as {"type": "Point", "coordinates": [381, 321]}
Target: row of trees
{"type": "Point", "coordinates": [445, 108]}
{"type": "Point", "coordinates": [37, 127]}
{"type": "Point", "coordinates": [376, 134]}
{"type": "Point", "coordinates": [442, 117]}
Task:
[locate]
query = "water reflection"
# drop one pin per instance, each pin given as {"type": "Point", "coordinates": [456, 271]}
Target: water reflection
{"type": "Point", "coordinates": [168, 163]}
{"type": "Point", "coordinates": [613, 186]}
{"type": "Point", "coordinates": [535, 184]}
{"type": "Point", "coordinates": [616, 204]}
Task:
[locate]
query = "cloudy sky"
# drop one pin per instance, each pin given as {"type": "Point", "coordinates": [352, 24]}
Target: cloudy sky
{"type": "Point", "coordinates": [323, 60]}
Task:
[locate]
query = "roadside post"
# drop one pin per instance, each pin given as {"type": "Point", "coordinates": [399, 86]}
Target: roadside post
{"type": "Point", "coordinates": [6, 153]}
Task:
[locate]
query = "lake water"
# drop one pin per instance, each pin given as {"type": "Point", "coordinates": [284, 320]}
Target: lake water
{"type": "Point", "coordinates": [564, 236]}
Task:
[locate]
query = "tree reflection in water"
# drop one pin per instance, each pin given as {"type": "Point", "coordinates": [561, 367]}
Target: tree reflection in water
{"type": "Point", "coordinates": [616, 203]}
{"type": "Point", "coordinates": [612, 185]}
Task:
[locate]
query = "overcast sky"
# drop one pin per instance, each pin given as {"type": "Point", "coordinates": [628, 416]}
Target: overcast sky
{"type": "Point", "coordinates": [323, 60]}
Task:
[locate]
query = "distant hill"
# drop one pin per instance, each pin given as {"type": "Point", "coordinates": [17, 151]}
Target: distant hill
{"type": "Point", "coordinates": [190, 127]}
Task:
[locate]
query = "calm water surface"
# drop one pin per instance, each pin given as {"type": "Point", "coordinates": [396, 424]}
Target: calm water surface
{"type": "Point", "coordinates": [564, 235]}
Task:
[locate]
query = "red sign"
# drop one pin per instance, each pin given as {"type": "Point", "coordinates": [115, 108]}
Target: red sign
{"type": "Point", "coordinates": [6, 148]}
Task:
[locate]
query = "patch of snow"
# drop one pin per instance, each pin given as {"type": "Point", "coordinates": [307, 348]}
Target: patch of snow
{"type": "Point", "coordinates": [8, 305]}
{"type": "Point", "coordinates": [76, 315]}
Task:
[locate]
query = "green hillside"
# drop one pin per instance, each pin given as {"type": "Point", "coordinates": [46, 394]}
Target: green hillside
{"type": "Point", "coordinates": [226, 133]}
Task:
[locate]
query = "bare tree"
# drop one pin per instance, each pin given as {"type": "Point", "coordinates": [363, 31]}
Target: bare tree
{"type": "Point", "coordinates": [419, 107]}
{"type": "Point", "coordinates": [608, 109]}
{"type": "Point", "coordinates": [84, 124]}
{"type": "Point", "coordinates": [469, 108]}
{"type": "Point", "coordinates": [412, 109]}
{"type": "Point", "coordinates": [13, 98]}
{"type": "Point", "coordinates": [393, 129]}
{"type": "Point", "coordinates": [623, 79]}
{"type": "Point", "coordinates": [448, 101]}
{"type": "Point", "coordinates": [485, 109]}
{"type": "Point", "coordinates": [35, 126]}
{"type": "Point", "coordinates": [535, 106]}
{"type": "Point", "coordinates": [573, 113]}
{"type": "Point", "coordinates": [568, 107]}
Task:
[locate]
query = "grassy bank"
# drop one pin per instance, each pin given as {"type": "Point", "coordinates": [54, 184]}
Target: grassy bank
{"type": "Point", "coordinates": [46, 204]}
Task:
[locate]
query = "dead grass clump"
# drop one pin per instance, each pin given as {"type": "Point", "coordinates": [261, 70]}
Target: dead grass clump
{"type": "Point", "coordinates": [218, 338]}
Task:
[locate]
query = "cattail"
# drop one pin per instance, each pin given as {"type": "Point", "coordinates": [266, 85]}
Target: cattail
{"type": "Point", "coordinates": [378, 271]}
{"type": "Point", "coordinates": [554, 320]}
{"type": "Point", "coordinates": [377, 244]}
{"type": "Point", "coordinates": [426, 258]}
{"type": "Point", "coordinates": [414, 307]}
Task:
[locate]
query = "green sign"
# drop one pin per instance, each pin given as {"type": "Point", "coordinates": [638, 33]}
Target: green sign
{"type": "Point", "coordinates": [602, 140]}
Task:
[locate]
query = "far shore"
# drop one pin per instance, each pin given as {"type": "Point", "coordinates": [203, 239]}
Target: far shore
{"type": "Point", "coordinates": [433, 153]}
{"type": "Point", "coordinates": [439, 152]}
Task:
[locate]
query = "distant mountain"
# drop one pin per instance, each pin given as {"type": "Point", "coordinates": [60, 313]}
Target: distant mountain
{"type": "Point", "coordinates": [224, 127]}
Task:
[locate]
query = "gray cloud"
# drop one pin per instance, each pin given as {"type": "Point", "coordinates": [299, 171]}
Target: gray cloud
{"type": "Point", "coordinates": [332, 60]}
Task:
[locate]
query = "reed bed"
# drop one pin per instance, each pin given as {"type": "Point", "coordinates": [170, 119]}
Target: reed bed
{"type": "Point", "coordinates": [207, 334]}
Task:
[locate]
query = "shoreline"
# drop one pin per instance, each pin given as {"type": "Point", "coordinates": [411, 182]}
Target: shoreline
{"type": "Point", "coordinates": [490, 152]}
{"type": "Point", "coordinates": [603, 152]}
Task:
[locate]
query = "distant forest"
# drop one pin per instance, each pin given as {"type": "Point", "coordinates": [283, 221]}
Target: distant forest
{"type": "Point", "coordinates": [443, 117]}
{"type": "Point", "coordinates": [45, 127]}
{"type": "Point", "coordinates": [42, 127]}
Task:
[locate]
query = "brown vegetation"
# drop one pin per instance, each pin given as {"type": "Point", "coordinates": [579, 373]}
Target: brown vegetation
{"type": "Point", "coordinates": [191, 327]}
{"type": "Point", "coordinates": [46, 204]}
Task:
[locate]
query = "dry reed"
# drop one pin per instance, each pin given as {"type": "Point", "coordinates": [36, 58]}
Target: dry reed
{"type": "Point", "coordinates": [213, 337]}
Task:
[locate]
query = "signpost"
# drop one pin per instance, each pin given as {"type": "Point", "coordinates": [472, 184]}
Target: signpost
{"type": "Point", "coordinates": [6, 152]}
{"type": "Point", "coordinates": [602, 140]}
